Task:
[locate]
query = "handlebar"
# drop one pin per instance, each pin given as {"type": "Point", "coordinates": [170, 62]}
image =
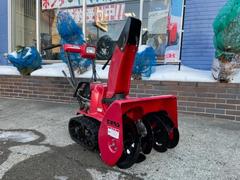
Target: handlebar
{"type": "Point", "coordinates": [52, 47]}
{"type": "Point", "coordinates": [104, 66]}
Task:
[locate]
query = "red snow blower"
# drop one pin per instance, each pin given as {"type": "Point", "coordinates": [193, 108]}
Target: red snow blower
{"type": "Point", "coordinates": [120, 127]}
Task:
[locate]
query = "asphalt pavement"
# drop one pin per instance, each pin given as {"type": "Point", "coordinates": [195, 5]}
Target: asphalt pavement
{"type": "Point", "coordinates": [35, 144]}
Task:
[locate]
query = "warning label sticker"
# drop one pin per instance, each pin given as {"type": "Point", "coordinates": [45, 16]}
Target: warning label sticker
{"type": "Point", "coordinates": [113, 132]}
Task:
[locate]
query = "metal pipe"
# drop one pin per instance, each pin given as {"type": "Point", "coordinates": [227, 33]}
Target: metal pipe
{"type": "Point", "coordinates": [84, 18]}
{"type": "Point", "coordinates": [141, 18]}
{"type": "Point", "coordinates": [71, 71]}
{"type": "Point", "coordinates": [9, 26]}
{"type": "Point", "coordinates": [38, 21]}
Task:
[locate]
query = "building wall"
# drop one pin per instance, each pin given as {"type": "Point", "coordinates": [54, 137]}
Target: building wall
{"type": "Point", "coordinates": [198, 49]}
{"type": "Point", "coordinates": [214, 100]}
{"type": "Point", "coordinates": [3, 30]}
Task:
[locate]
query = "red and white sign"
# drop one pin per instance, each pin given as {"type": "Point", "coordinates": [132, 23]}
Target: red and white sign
{"type": "Point", "coordinates": [53, 4]}
{"type": "Point", "coordinates": [56, 4]}
{"type": "Point", "coordinates": [110, 12]}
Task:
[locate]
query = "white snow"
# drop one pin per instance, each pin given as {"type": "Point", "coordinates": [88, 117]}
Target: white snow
{"type": "Point", "coordinates": [18, 136]}
{"type": "Point", "coordinates": [102, 74]}
{"type": "Point", "coordinates": [8, 70]}
{"type": "Point", "coordinates": [161, 73]}
{"type": "Point", "coordinates": [55, 70]}
{"type": "Point", "coordinates": [52, 70]}
{"type": "Point", "coordinates": [236, 77]}
{"type": "Point", "coordinates": [142, 48]}
{"type": "Point", "coordinates": [171, 73]}
{"type": "Point", "coordinates": [109, 174]}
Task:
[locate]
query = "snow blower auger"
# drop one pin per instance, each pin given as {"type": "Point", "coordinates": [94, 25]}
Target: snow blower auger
{"type": "Point", "coordinates": [121, 128]}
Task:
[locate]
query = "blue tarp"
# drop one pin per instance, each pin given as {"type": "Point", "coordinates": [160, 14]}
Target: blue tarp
{"type": "Point", "coordinates": [70, 33]}
{"type": "Point", "coordinates": [26, 60]}
{"type": "Point", "coordinates": [144, 61]}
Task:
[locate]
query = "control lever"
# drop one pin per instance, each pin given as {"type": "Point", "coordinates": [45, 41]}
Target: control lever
{"type": "Point", "coordinates": [104, 66]}
{"type": "Point", "coordinates": [69, 80]}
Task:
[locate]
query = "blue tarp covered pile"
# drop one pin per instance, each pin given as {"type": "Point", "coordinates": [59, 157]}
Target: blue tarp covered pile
{"type": "Point", "coordinates": [26, 60]}
{"type": "Point", "coordinates": [144, 61]}
{"type": "Point", "coordinates": [227, 31]}
{"type": "Point", "coordinates": [71, 33]}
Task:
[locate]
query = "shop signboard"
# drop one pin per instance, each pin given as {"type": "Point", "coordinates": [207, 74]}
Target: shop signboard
{"type": "Point", "coordinates": [109, 12]}
{"type": "Point", "coordinates": [165, 30]}
{"type": "Point", "coordinates": [56, 4]}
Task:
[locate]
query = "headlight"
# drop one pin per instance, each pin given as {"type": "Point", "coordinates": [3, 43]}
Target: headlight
{"type": "Point", "coordinates": [91, 50]}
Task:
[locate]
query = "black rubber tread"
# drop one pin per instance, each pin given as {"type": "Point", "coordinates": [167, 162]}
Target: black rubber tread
{"type": "Point", "coordinates": [89, 138]}
{"type": "Point", "coordinates": [172, 143]}
{"type": "Point", "coordinates": [160, 133]}
{"type": "Point", "coordinates": [129, 134]}
{"type": "Point", "coordinates": [148, 140]}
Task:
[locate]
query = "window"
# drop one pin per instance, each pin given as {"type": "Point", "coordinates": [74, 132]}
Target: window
{"type": "Point", "coordinates": [162, 25]}
{"type": "Point", "coordinates": [23, 23]}
{"type": "Point", "coordinates": [112, 16]}
{"type": "Point", "coordinates": [49, 34]}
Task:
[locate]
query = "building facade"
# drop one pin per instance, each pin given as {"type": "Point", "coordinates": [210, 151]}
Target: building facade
{"type": "Point", "coordinates": [197, 47]}
{"type": "Point", "coordinates": [19, 22]}
{"type": "Point", "coordinates": [3, 30]}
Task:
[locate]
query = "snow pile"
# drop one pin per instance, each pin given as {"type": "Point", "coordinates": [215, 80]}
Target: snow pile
{"type": "Point", "coordinates": [162, 73]}
{"type": "Point", "coordinates": [52, 70]}
{"type": "Point", "coordinates": [8, 70]}
{"type": "Point", "coordinates": [236, 77]}
{"type": "Point", "coordinates": [171, 73]}
{"type": "Point", "coordinates": [101, 74]}
{"type": "Point", "coordinates": [55, 70]}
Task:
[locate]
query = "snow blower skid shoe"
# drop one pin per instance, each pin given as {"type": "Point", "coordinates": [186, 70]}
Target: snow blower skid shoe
{"type": "Point", "coordinates": [123, 129]}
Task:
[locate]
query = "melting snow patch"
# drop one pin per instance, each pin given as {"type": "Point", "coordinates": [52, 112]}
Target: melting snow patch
{"type": "Point", "coordinates": [60, 177]}
{"type": "Point", "coordinates": [18, 136]}
{"type": "Point", "coordinates": [19, 154]}
{"type": "Point", "coordinates": [108, 175]}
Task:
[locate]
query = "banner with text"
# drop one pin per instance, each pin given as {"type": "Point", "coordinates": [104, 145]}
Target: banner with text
{"type": "Point", "coordinates": [109, 12]}
{"type": "Point", "coordinates": [56, 4]}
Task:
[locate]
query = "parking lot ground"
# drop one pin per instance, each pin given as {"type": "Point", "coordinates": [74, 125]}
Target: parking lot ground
{"type": "Point", "coordinates": [35, 144]}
